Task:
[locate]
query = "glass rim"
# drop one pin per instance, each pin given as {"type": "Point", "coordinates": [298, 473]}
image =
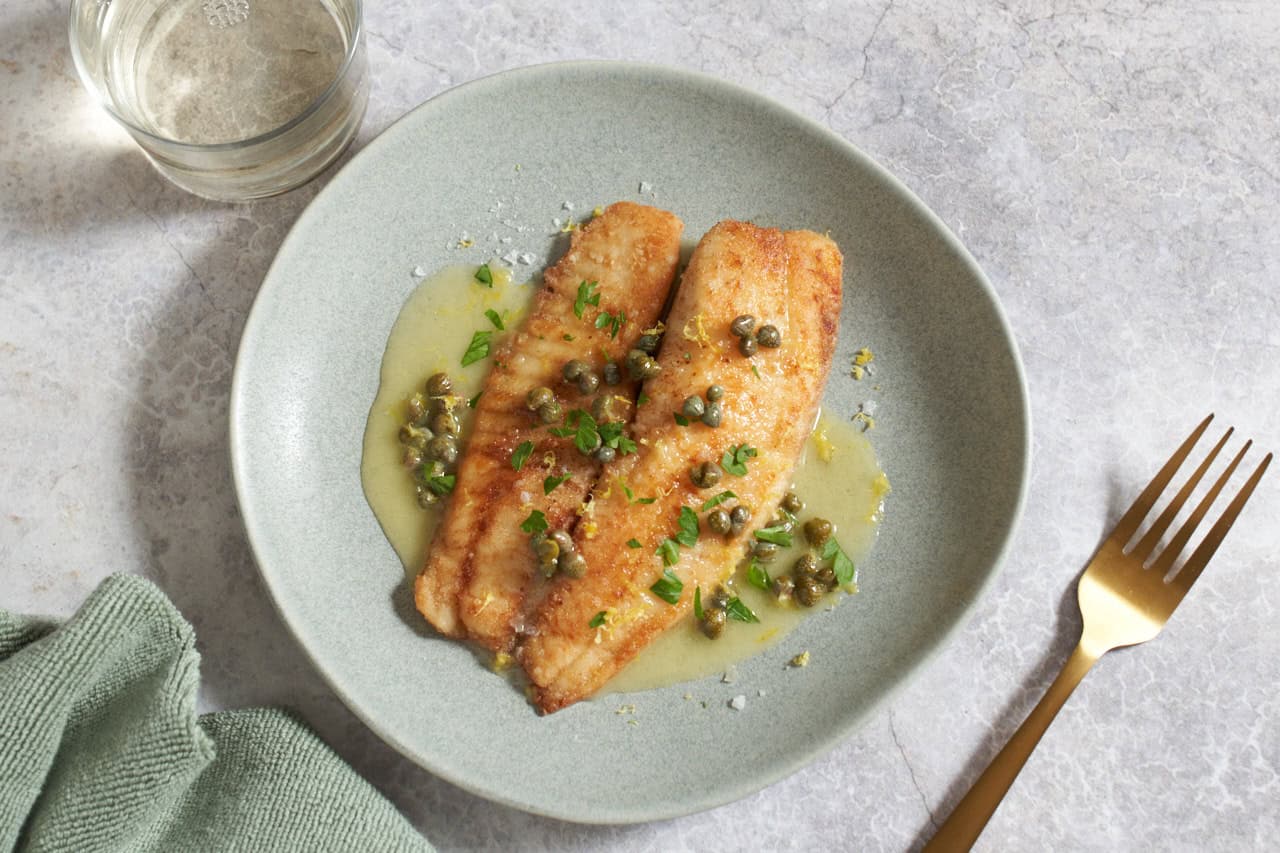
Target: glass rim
{"type": "Point", "coordinates": [86, 79]}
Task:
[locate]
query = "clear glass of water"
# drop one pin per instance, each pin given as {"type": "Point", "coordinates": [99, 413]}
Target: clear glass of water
{"type": "Point", "coordinates": [230, 99]}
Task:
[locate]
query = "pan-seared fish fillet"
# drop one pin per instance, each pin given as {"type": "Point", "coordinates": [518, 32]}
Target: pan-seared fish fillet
{"type": "Point", "coordinates": [479, 566]}
{"type": "Point", "coordinates": [792, 280]}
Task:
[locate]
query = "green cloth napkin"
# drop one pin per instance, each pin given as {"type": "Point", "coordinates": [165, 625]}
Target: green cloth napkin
{"type": "Point", "coordinates": [101, 747]}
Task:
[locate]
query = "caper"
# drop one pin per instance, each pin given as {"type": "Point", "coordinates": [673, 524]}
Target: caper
{"type": "Point", "coordinates": [606, 455]}
{"type": "Point", "coordinates": [748, 347]}
{"type": "Point", "coordinates": [612, 375]}
{"type": "Point", "coordinates": [442, 448]}
{"type": "Point", "coordinates": [539, 397]}
{"type": "Point", "coordinates": [713, 415]}
{"type": "Point", "coordinates": [573, 369]}
{"type": "Point", "coordinates": [562, 539]}
{"type": "Point", "coordinates": [439, 385]}
{"type": "Point", "coordinates": [546, 550]}
{"type": "Point", "coordinates": [445, 424]}
{"type": "Point", "coordinates": [705, 475]}
{"type": "Point", "coordinates": [827, 577]}
{"type": "Point", "coordinates": [782, 586]}
{"type": "Point", "coordinates": [739, 517]}
{"type": "Point", "coordinates": [411, 436]}
{"type": "Point", "coordinates": [720, 599]}
{"type": "Point", "coordinates": [426, 497]}
{"type": "Point", "coordinates": [718, 521]}
{"type": "Point", "coordinates": [636, 360]}
{"type": "Point", "coordinates": [764, 551]}
{"type": "Point", "coordinates": [436, 405]}
{"type": "Point", "coordinates": [416, 407]}
{"type": "Point", "coordinates": [602, 408]}
{"type": "Point", "coordinates": [715, 393]}
{"type": "Point", "coordinates": [712, 622]}
{"type": "Point", "coordinates": [574, 565]}
{"type": "Point", "coordinates": [817, 531]}
{"type": "Point", "coordinates": [588, 382]}
{"type": "Point", "coordinates": [649, 344]}
{"type": "Point", "coordinates": [742, 325]}
{"type": "Point", "coordinates": [769, 336]}
{"type": "Point", "coordinates": [412, 457]}
{"type": "Point", "coordinates": [810, 593]}
{"type": "Point", "coordinates": [783, 522]}
{"type": "Point", "coordinates": [805, 569]}
{"type": "Point", "coordinates": [693, 407]}
{"type": "Point", "coordinates": [791, 503]}
{"type": "Point", "coordinates": [649, 368]}
{"type": "Point", "coordinates": [549, 413]}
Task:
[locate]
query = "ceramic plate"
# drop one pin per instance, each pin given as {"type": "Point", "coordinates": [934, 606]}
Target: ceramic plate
{"type": "Point", "coordinates": [495, 159]}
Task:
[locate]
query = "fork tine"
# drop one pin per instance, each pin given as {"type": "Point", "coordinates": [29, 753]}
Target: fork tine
{"type": "Point", "coordinates": [1179, 541]}
{"type": "Point", "coordinates": [1147, 545]}
{"type": "Point", "coordinates": [1188, 574]}
{"type": "Point", "coordinates": [1130, 521]}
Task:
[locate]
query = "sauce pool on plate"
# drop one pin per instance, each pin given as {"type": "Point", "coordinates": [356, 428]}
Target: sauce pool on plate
{"type": "Point", "coordinates": [838, 479]}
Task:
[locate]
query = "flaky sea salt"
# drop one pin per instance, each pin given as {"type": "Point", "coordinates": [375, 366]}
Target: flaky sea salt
{"type": "Point", "coordinates": [738, 702]}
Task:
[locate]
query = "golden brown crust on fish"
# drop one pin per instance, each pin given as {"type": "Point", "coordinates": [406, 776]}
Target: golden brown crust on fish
{"type": "Point", "coordinates": [480, 567]}
{"type": "Point", "coordinates": [792, 280]}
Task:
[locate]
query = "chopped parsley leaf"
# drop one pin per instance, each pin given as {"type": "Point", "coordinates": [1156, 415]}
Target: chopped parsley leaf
{"type": "Point", "coordinates": [778, 535]}
{"type": "Point", "coordinates": [567, 336]}
{"type": "Point", "coordinates": [843, 567]}
{"type": "Point", "coordinates": [477, 349]}
{"type": "Point", "coordinates": [739, 612]}
{"type": "Point", "coordinates": [550, 483]}
{"type": "Point", "coordinates": [494, 319]}
{"type": "Point", "coordinates": [758, 575]}
{"type": "Point", "coordinates": [688, 534]}
{"type": "Point", "coordinates": [669, 551]}
{"type": "Point", "coordinates": [441, 484]}
{"type": "Point", "coordinates": [633, 543]}
{"type": "Point", "coordinates": [614, 322]}
{"type": "Point", "coordinates": [642, 399]}
{"type": "Point", "coordinates": [485, 276]}
{"type": "Point", "coordinates": [471, 404]}
{"type": "Point", "coordinates": [587, 295]}
{"type": "Point", "coordinates": [521, 454]}
{"type": "Point", "coordinates": [597, 620]}
{"type": "Point", "coordinates": [681, 419]}
{"type": "Point", "coordinates": [645, 500]}
{"type": "Point", "coordinates": [668, 587]}
{"type": "Point", "coordinates": [535, 523]}
{"type": "Point", "coordinates": [712, 503]}
{"type": "Point", "coordinates": [756, 371]}
{"type": "Point", "coordinates": [697, 603]}
{"type": "Point", "coordinates": [735, 459]}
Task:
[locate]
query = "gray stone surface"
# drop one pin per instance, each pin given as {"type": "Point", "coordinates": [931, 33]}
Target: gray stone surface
{"type": "Point", "coordinates": [1112, 166]}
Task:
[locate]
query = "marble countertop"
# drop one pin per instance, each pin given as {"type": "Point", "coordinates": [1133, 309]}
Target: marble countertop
{"type": "Point", "coordinates": [1113, 166]}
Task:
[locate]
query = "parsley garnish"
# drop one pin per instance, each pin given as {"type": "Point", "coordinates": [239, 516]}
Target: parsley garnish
{"type": "Point", "coordinates": [612, 435]}
{"type": "Point", "coordinates": [441, 484]}
{"type": "Point", "coordinates": [739, 612]}
{"type": "Point", "coordinates": [758, 575]}
{"type": "Point", "coordinates": [688, 535]}
{"type": "Point", "coordinates": [587, 295]}
{"type": "Point", "coordinates": [756, 371]}
{"type": "Point", "coordinates": [843, 567]}
{"type": "Point", "coordinates": [681, 419]}
{"type": "Point", "coordinates": [567, 336]}
{"type": "Point", "coordinates": [550, 483]}
{"type": "Point", "coordinates": [669, 551]}
{"type": "Point", "coordinates": [645, 500]}
{"type": "Point", "coordinates": [535, 523]}
{"type": "Point", "coordinates": [485, 277]}
{"type": "Point", "coordinates": [597, 620]}
{"type": "Point", "coordinates": [712, 503]}
{"type": "Point", "coordinates": [668, 587]}
{"type": "Point", "coordinates": [615, 322]}
{"type": "Point", "coordinates": [735, 459]}
{"type": "Point", "coordinates": [697, 603]}
{"type": "Point", "coordinates": [477, 349]}
{"type": "Point", "coordinates": [521, 454]}
{"type": "Point", "coordinates": [633, 543]}
{"type": "Point", "coordinates": [642, 399]}
{"type": "Point", "coordinates": [494, 319]}
{"type": "Point", "coordinates": [471, 404]}
{"type": "Point", "coordinates": [778, 535]}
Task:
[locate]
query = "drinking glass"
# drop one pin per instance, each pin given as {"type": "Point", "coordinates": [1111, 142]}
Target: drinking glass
{"type": "Point", "coordinates": [230, 99]}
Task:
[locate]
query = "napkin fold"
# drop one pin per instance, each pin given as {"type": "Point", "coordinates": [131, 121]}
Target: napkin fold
{"type": "Point", "coordinates": [101, 747]}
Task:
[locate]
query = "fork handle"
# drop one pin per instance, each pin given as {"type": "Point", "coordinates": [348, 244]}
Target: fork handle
{"type": "Point", "coordinates": [967, 821]}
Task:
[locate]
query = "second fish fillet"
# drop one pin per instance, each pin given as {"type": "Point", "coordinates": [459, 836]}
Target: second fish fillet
{"type": "Point", "coordinates": [479, 566]}
{"type": "Point", "coordinates": [589, 628]}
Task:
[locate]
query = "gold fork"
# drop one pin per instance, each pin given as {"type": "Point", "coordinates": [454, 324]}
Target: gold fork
{"type": "Point", "coordinates": [1122, 603]}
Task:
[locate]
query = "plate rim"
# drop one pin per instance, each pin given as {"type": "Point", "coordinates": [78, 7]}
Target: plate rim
{"type": "Point", "coordinates": [824, 743]}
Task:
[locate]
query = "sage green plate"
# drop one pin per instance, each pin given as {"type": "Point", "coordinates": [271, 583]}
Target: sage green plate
{"type": "Point", "coordinates": [952, 429]}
